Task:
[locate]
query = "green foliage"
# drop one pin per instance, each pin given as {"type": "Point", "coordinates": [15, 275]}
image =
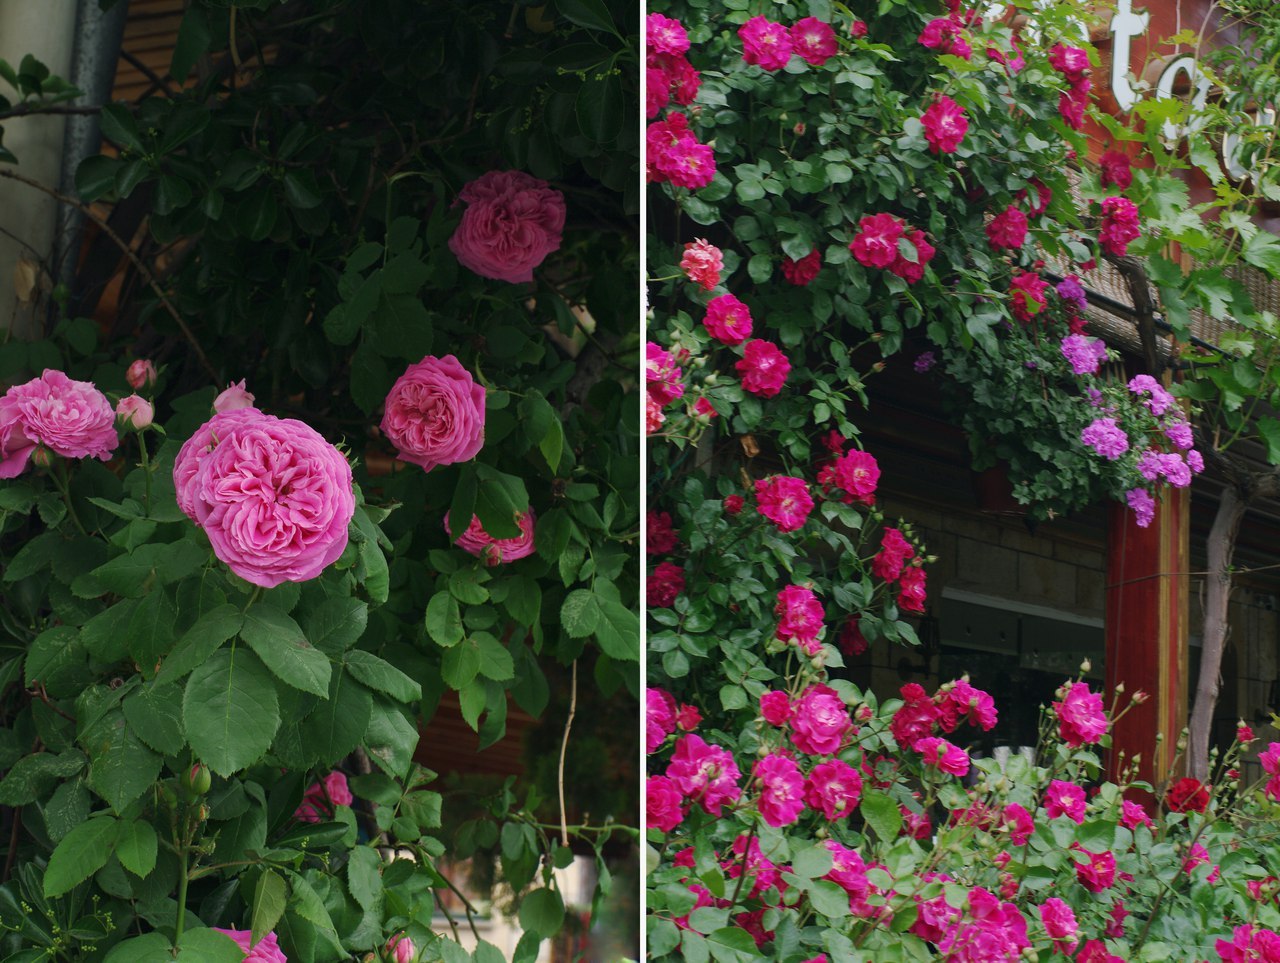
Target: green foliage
{"type": "Point", "coordinates": [312, 200]}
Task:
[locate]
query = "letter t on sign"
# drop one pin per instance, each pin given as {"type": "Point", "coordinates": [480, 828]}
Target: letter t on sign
{"type": "Point", "coordinates": [1124, 26]}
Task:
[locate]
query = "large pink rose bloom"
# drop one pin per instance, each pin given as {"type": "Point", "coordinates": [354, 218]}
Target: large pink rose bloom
{"type": "Point", "coordinates": [267, 950]}
{"type": "Point", "coordinates": [495, 551]}
{"type": "Point", "coordinates": [1081, 716]}
{"type": "Point", "coordinates": [187, 465]}
{"type": "Point", "coordinates": [275, 499]}
{"type": "Point", "coordinates": [512, 222]}
{"type": "Point", "coordinates": [435, 413]}
{"type": "Point", "coordinates": [70, 418]}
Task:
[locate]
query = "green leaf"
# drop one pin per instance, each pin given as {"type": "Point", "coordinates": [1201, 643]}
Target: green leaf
{"type": "Point", "coordinates": [37, 554]}
{"type": "Point", "coordinates": [269, 898]}
{"type": "Point", "coordinates": [592, 14]}
{"type": "Point", "coordinates": [364, 877]}
{"type": "Point", "coordinates": [304, 901]}
{"type": "Point", "coordinates": [337, 726]}
{"type": "Point", "coordinates": [731, 944]}
{"type": "Point", "coordinates": [54, 654]}
{"type": "Point", "coordinates": [1269, 431]}
{"type": "Point", "coordinates": [336, 624]}
{"type": "Point", "coordinates": [150, 630]}
{"type": "Point", "coordinates": [599, 108]}
{"type": "Point", "coordinates": [542, 912]}
{"type": "Point", "coordinates": [119, 126]}
{"type": "Point", "coordinates": [283, 648]}
{"type": "Point", "coordinates": [391, 738]}
{"type": "Point", "coordinates": [382, 676]}
{"type": "Point", "coordinates": [444, 622]}
{"type": "Point", "coordinates": [154, 713]}
{"type": "Point", "coordinates": [208, 946]}
{"type": "Point", "coordinates": [828, 898]}
{"type": "Point", "coordinates": [618, 630]}
{"type": "Point", "coordinates": [812, 862]}
{"type": "Point", "coordinates": [122, 767]}
{"type": "Point", "coordinates": [137, 846]}
{"type": "Point", "coordinates": [34, 776]}
{"type": "Point", "coordinates": [193, 40]}
{"type": "Point", "coordinates": [495, 661]}
{"type": "Point", "coordinates": [149, 948]}
{"type": "Point", "coordinates": [230, 710]}
{"type": "Point", "coordinates": [580, 613]}
{"type": "Point", "coordinates": [257, 214]}
{"type": "Point", "coordinates": [460, 664]}
{"type": "Point", "coordinates": [95, 177]}
{"type": "Point", "coordinates": [881, 814]}
{"type": "Point", "coordinates": [465, 585]}
{"type": "Point", "coordinates": [499, 499]}
{"type": "Point", "coordinates": [82, 852]}
{"type": "Point", "coordinates": [200, 641]}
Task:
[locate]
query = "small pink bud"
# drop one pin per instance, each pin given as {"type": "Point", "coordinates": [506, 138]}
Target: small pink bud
{"type": "Point", "coordinates": [799, 128]}
{"type": "Point", "coordinates": [141, 374]}
{"type": "Point", "coordinates": [42, 457]}
{"type": "Point", "coordinates": [1140, 697]}
{"type": "Point", "coordinates": [401, 948]}
{"type": "Point", "coordinates": [135, 412]}
{"type": "Point", "coordinates": [236, 396]}
{"type": "Point", "coordinates": [858, 28]}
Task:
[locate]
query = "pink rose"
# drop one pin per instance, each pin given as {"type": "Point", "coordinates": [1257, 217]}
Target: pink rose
{"type": "Point", "coordinates": [274, 498]}
{"type": "Point", "coordinates": [784, 500]}
{"type": "Point", "coordinates": [1081, 716]}
{"type": "Point", "coordinates": [1026, 294]}
{"type": "Point", "coordinates": [233, 398]}
{"type": "Point", "coordinates": [876, 243]}
{"type": "Point", "coordinates": [781, 798]}
{"type": "Point", "coordinates": [319, 800]}
{"type": "Point", "coordinates": [943, 755]}
{"type": "Point", "coordinates": [765, 43]}
{"type": "Point", "coordinates": [820, 721]}
{"type": "Point", "coordinates": [401, 948]}
{"type": "Point", "coordinates": [135, 412]}
{"type": "Point", "coordinates": [1059, 923]}
{"type": "Point", "coordinates": [763, 368]}
{"type": "Point", "coordinates": [800, 617]}
{"type": "Point", "coordinates": [913, 271]}
{"type": "Point", "coordinates": [834, 788]}
{"type": "Point", "coordinates": [1065, 799]}
{"type": "Point", "coordinates": [1098, 873]}
{"type": "Point", "coordinates": [663, 806]}
{"type": "Point", "coordinates": [802, 272]}
{"type": "Point", "coordinates": [1008, 229]}
{"type": "Point", "coordinates": [660, 717]}
{"type": "Point", "coordinates": [664, 585]}
{"type": "Point", "coordinates": [813, 40]}
{"type": "Point", "coordinates": [141, 374]}
{"type": "Point", "coordinates": [1115, 170]}
{"type": "Point", "coordinates": [894, 552]}
{"type": "Point", "coordinates": [512, 222]}
{"type": "Point", "coordinates": [704, 773]}
{"type": "Point", "coordinates": [496, 551]}
{"type": "Point", "coordinates": [187, 465]}
{"type": "Point", "coordinates": [70, 418]}
{"type": "Point", "coordinates": [267, 950]}
{"type": "Point", "coordinates": [775, 707]}
{"type": "Point", "coordinates": [702, 261]}
{"type": "Point", "coordinates": [435, 413]}
{"type": "Point", "coordinates": [944, 125]}
{"type": "Point", "coordinates": [665, 35]}
{"type": "Point", "coordinates": [728, 320]}
{"type": "Point", "coordinates": [673, 153]}
{"type": "Point", "coordinates": [660, 535]}
{"type": "Point", "coordinates": [911, 591]}
{"type": "Point", "coordinates": [1119, 225]}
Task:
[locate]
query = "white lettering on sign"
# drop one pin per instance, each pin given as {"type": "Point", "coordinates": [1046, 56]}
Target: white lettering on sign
{"type": "Point", "coordinates": [1125, 25]}
{"type": "Point", "coordinates": [1165, 91]}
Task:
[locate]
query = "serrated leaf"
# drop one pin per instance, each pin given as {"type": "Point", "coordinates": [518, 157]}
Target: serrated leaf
{"type": "Point", "coordinates": [155, 713]}
{"type": "Point", "coordinates": [230, 710]}
{"type": "Point", "coordinates": [200, 641]}
{"type": "Point", "coordinates": [269, 900]}
{"type": "Point", "coordinates": [82, 852]}
{"type": "Point", "coordinates": [542, 912]}
{"type": "Point", "coordinates": [618, 630]}
{"type": "Point", "coordinates": [136, 847]}
{"type": "Point", "coordinates": [336, 624]}
{"type": "Point", "coordinates": [337, 726]}
{"type": "Point", "coordinates": [382, 676]}
{"type": "Point", "coordinates": [443, 620]}
{"type": "Point", "coordinates": [33, 776]}
{"type": "Point", "coordinates": [121, 766]}
{"type": "Point", "coordinates": [881, 814]}
{"type": "Point", "coordinates": [282, 647]}
{"type": "Point", "coordinates": [495, 660]}
{"type": "Point", "coordinates": [580, 613]}
{"type": "Point", "coordinates": [364, 877]}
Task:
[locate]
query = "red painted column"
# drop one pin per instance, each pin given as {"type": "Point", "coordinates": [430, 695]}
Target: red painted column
{"type": "Point", "coordinates": [1146, 631]}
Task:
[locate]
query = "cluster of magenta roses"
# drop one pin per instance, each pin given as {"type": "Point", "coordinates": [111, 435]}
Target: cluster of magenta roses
{"type": "Point", "coordinates": [869, 817]}
{"type": "Point", "coordinates": [786, 502]}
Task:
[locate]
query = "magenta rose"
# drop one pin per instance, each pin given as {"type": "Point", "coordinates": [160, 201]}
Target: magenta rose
{"type": "Point", "coordinates": [435, 413]}
{"type": "Point", "coordinates": [275, 499]}
{"type": "Point", "coordinates": [495, 551]}
{"type": "Point", "coordinates": [664, 805]}
{"type": "Point", "coordinates": [319, 800]}
{"type": "Point", "coordinates": [512, 222]}
{"type": "Point", "coordinates": [187, 465]}
{"type": "Point", "coordinates": [70, 418]}
{"type": "Point", "coordinates": [267, 949]}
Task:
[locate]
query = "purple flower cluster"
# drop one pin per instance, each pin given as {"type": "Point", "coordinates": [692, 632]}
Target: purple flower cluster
{"type": "Point", "coordinates": [924, 362]}
{"type": "Point", "coordinates": [1158, 401]}
{"type": "Point", "coordinates": [1143, 505]}
{"type": "Point", "coordinates": [1072, 293]}
{"type": "Point", "coordinates": [1154, 465]}
{"type": "Point", "coordinates": [1083, 353]}
{"type": "Point", "coordinates": [1106, 438]}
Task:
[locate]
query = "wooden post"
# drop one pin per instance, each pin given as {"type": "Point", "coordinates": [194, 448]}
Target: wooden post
{"type": "Point", "coordinates": [1146, 631]}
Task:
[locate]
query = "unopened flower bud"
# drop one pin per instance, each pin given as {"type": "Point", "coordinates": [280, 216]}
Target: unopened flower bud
{"type": "Point", "coordinates": [1140, 697]}
{"type": "Point", "coordinates": [135, 412]}
{"type": "Point", "coordinates": [799, 128]}
{"type": "Point", "coordinates": [401, 948]}
{"type": "Point", "coordinates": [1086, 666]}
{"type": "Point", "coordinates": [197, 780]}
{"type": "Point", "coordinates": [141, 374]}
{"type": "Point", "coordinates": [711, 380]}
{"type": "Point", "coordinates": [858, 29]}
{"type": "Point", "coordinates": [42, 457]}
{"type": "Point", "coordinates": [235, 396]}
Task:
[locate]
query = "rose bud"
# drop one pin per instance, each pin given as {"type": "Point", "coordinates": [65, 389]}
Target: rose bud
{"type": "Point", "coordinates": [233, 398]}
{"type": "Point", "coordinates": [135, 412]}
{"type": "Point", "coordinates": [141, 374]}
